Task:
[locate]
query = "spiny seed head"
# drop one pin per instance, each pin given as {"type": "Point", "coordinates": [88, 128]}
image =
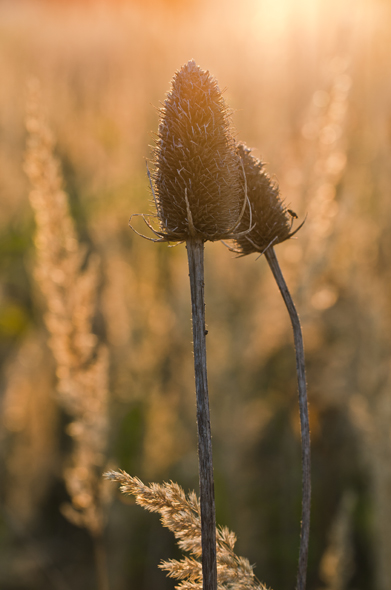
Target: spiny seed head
{"type": "Point", "coordinates": [271, 220]}
{"type": "Point", "coordinates": [197, 174]}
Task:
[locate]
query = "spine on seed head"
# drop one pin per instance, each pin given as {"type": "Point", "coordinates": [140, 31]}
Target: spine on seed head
{"type": "Point", "coordinates": [270, 220]}
{"type": "Point", "coordinates": [197, 173]}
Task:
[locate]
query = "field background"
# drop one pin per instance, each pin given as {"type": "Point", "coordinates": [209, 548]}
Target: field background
{"type": "Point", "coordinates": [309, 83]}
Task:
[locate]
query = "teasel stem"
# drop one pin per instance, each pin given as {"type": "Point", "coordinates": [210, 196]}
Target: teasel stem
{"type": "Point", "coordinates": [304, 422]}
{"type": "Point", "coordinates": [195, 254]}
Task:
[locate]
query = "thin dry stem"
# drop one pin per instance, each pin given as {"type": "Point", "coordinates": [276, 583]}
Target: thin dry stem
{"type": "Point", "coordinates": [195, 253]}
{"type": "Point", "coordinates": [304, 421]}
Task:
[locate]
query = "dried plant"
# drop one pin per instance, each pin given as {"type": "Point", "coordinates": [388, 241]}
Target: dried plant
{"type": "Point", "coordinates": [101, 109]}
{"type": "Point", "coordinates": [182, 515]}
{"type": "Point", "coordinates": [198, 182]}
{"type": "Point", "coordinates": [197, 174]}
{"type": "Point", "coordinates": [270, 220]}
{"type": "Point", "coordinates": [271, 226]}
{"type": "Point", "coordinates": [82, 362]}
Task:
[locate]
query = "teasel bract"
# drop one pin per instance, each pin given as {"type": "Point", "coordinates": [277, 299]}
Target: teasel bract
{"type": "Point", "coordinates": [271, 224]}
{"type": "Point", "coordinates": [199, 189]}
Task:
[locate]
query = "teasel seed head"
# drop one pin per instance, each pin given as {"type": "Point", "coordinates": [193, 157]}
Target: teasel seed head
{"type": "Point", "coordinates": [197, 177]}
{"type": "Point", "coordinates": [270, 220]}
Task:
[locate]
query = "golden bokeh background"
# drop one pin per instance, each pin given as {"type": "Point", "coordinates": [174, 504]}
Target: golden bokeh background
{"type": "Point", "coordinates": [309, 85]}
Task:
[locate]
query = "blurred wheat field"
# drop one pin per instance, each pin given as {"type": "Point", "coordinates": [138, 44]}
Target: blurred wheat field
{"type": "Point", "coordinates": [309, 85]}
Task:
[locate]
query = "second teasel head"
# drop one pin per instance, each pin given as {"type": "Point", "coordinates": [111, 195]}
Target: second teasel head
{"type": "Point", "coordinates": [197, 174]}
{"type": "Point", "coordinates": [270, 220]}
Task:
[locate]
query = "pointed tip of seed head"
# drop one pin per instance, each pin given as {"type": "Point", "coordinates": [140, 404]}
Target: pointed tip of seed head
{"type": "Point", "coordinates": [191, 65]}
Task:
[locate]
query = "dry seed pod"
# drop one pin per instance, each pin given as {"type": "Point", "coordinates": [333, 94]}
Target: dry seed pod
{"type": "Point", "coordinates": [271, 221]}
{"type": "Point", "coordinates": [197, 175]}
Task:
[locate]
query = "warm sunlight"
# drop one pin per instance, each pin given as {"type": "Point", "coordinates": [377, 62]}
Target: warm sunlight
{"type": "Point", "coordinates": [265, 124]}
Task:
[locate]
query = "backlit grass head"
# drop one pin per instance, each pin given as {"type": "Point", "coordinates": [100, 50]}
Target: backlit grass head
{"type": "Point", "coordinates": [270, 220]}
{"type": "Point", "coordinates": [197, 177]}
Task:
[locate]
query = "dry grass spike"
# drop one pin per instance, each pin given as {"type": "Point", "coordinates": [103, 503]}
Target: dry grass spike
{"type": "Point", "coordinates": [181, 515]}
{"type": "Point", "coordinates": [82, 362]}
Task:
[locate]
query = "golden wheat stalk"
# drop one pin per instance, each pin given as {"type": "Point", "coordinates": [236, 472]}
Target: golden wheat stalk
{"type": "Point", "coordinates": [181, 514]}
{"type": "Point", "coordinates": [70, 294]}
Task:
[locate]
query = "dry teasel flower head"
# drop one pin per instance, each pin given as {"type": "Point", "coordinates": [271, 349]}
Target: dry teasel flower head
{"type": "Point", "coordinates": [197, 177]}
{"type": "Point", "coordinates": [270, 222]}
{"type": "Point", "coordinates": [197, 185]}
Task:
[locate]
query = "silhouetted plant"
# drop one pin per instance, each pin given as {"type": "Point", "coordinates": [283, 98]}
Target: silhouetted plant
{"type": "Point", "coordinates": [197, 185]}
{"type": "Point", "coordinates": [272, 223]}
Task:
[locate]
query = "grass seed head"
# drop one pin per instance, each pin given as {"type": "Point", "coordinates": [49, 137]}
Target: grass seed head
{"type": "Point", "coordinates": [197, 174]}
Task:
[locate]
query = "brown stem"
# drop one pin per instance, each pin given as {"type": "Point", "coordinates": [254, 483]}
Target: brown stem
{"type": "Point", "coordinates": [195, 254]}
{"type": "Point", "coordinates": [101, 567]}
{"type": "Point", "coordinates": [305, 428]}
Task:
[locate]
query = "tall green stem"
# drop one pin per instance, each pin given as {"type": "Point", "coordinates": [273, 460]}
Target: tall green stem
{"type": "Point", "coordinates": [304, 422]}
{"type": "Point", "coordinates": [195, 253]}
